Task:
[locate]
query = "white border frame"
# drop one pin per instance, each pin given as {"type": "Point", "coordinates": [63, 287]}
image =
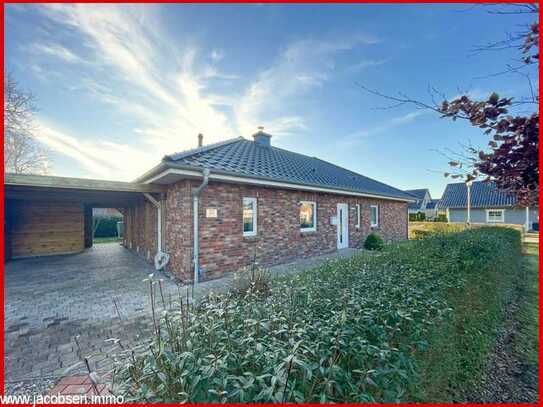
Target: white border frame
{"type": "Point", "coordinates": [314, 228]}
{"type": "Point", "coordinates": [495, 210]}
{"type": "Point", "coordinates": [374, 225]}
{"type": "Point", "coordinates": [255, 218]}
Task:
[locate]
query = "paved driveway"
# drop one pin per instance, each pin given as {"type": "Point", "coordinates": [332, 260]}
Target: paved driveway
{"type": "Point", "coordinates": [49, 301]}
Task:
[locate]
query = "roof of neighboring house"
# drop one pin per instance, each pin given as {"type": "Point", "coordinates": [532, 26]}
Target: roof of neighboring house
{"type": "Point", "coordinates": [432, 204]}
{"type": "Point", "coordinates": [419, 194]}
{"type": "Point", "coordinates": [483, 195]}
{"type": "Point", "coordinates": [244, 158]}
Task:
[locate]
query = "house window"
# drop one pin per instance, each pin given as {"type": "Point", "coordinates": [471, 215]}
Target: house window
{"type": "Point", "coordinates": [308, 216]}
{"type": "Point", "coordinates": [495, 215]}
{"type": "Point", "coordinates": [374, 218]}
{"type": "Point", "coordinates": [249, 216]}
{"type": "Point", "coordinates": [357, 215]}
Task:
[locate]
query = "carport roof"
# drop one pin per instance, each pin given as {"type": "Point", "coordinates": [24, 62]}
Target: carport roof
{"type": "Point", "coordinates": [88, 184]}
{"type": "Point", "coordinates": [98, 193]}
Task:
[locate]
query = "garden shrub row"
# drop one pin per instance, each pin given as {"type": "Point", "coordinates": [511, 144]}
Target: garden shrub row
{"type": "Point", "coordinates": [413, 322]}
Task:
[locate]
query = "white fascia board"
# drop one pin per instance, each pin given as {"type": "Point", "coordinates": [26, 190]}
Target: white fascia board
{"type": "Point", "coordinates": [268, 183]}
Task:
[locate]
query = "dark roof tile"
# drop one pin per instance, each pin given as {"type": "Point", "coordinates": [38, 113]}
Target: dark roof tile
{"type": "Point", "coordinates": [247, 158]}
{"type": "Point", "coordinates": [483, 195]}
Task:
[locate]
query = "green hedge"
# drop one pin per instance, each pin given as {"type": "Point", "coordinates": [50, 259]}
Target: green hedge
{"type": "Point", "coordinates": [411, 323]}
{"type": "Point", "coordinates": [107, 227]}
{"type": "Point", "coordinates": [417, 217]}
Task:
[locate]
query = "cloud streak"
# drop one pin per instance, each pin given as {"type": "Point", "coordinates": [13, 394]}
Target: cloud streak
{"type": "Point", "coordinates": [172, 93]}
{"type": "Point", "coordinates": [391, 124]}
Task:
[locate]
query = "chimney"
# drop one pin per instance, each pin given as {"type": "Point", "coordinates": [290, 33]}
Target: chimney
{"type": "Point", "coordinates": [200, 140]}
{"type": "Point", "coordinates": [261, 138]}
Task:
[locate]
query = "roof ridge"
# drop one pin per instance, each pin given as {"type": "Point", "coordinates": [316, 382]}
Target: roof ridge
{"type": "Point", "coordinates": [203, 149]}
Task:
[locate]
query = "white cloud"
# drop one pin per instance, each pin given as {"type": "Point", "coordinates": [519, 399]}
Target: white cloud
{"type": "Point", "coordinates": [55, 50]}
{"type": "Point", "coordinates": [216, 55]}
{"type": "Point", "coordinates": [367, 64]}
{"type": "Point", "coordinates": [102, 159]}
{"type": "Point", "coordinates": [172, 108]}
{"type": "Point", "coordinates": [303, 66]}
{"type": "Point", "coordinates": [388, 126]}
{"type": "Point", "coordinates": [170, 91]}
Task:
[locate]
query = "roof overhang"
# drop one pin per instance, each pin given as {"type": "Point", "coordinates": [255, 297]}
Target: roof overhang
{"type": "Point", "coordinates": [166, 174]}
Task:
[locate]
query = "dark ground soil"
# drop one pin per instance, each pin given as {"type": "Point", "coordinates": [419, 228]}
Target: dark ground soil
{"type": "Point", "coordinates": [511, 377]}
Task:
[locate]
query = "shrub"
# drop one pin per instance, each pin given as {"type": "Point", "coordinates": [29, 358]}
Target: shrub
{"type": "Point", "coordinates": [440, 218]}
{"type": "Point", "coordinates": [253, 279]}
{"type": "Point", "coordinates": [417, 217]}
{"type": "Point", "coordinates": [414, 323]}
{"type": "Point", "coordinates": [107, 226]}
{"type": "Point", "coordinates": [420, 234]}
{"type": "Point", "coordinates": [373, 242]}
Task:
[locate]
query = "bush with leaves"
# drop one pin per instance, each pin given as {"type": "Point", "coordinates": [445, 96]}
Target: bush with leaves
{"type": "Point", "coordinates": [352, 330]}
{"type": "Point", "coordinates": [417, 217]}
{"type": "Point", "coordinates": [373, 242]}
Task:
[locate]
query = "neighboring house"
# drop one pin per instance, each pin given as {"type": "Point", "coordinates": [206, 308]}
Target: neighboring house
{"type": "Point", "coordinates": [488, 205]}
{"type": "Point", "coordinates": [238, 201]}
{"type": "Point", "coordinates": [432, 209]}
{"type": "Point", "coordinates": [422, 197]}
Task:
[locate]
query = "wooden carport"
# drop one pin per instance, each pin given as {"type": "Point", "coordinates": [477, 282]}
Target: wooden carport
{"type": "Point", "coordinates": [48, 215]}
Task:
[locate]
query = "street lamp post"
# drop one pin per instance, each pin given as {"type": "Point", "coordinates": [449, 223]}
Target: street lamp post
{"type": "Point", "coordinates": [468, 185]}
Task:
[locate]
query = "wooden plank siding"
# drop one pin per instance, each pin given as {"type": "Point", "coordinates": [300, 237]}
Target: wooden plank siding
{"type": "Point", "coordinates": [37, 228]}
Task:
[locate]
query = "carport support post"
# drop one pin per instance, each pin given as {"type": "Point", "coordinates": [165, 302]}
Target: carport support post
{"type": "Point", "coordinates": [158, 207]}
{"type": "Point", "coordinates": [88, 226]}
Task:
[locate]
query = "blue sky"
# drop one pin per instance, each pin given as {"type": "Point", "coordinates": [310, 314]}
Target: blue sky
{"type": "Point", "coordinates": [119, 86]}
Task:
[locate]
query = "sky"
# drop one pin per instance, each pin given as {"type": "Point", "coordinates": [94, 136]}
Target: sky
{"type": "Point", "coordinates": [120, 86]}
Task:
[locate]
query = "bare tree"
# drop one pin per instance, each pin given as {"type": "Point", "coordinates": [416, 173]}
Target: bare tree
{"type": "Point", "coordinates": [23, 154]}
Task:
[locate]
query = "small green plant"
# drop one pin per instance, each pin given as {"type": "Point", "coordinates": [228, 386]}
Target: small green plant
{"type": "Point", "coordinates": [373, 242]}
{"type": "Point", "coordinates": [255, 279]}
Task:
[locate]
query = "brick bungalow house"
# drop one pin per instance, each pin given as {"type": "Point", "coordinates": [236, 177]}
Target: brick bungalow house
{"type": "Point", "coordinates": [229, 203]}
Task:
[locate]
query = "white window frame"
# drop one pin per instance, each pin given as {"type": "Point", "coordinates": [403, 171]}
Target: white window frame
{"type": "Point", "coordinates": [495, 221]}
{"type": "Point", "coordinates": [314, 228]}
{"type": "Point", "coordinates": [376, 224]}
{"type": "Point", "coordinates": [247, 200]}
{"type": "Point", "coordinates": [358, 216]}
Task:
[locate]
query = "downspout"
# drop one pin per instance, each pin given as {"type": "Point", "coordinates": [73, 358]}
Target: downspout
{"type": "Point", "coordinates": [161, 258]}
{"type": "Point", "coordinates": [195, 201]}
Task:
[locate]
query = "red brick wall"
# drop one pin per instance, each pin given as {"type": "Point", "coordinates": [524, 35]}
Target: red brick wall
{"type": "Point", "coordinates": [178, 228]}
{"type": "Point", "coordinates": [223, 247]}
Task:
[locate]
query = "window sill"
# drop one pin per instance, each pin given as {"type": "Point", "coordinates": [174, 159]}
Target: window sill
{"type": "Point", "coordinates": [303, 232]}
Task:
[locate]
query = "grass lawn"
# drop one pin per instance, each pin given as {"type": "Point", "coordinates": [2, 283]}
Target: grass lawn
{"type": "Point", "coordinates": [98, 240]}
{"type": "Point", "coordinates": [526, 341]}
